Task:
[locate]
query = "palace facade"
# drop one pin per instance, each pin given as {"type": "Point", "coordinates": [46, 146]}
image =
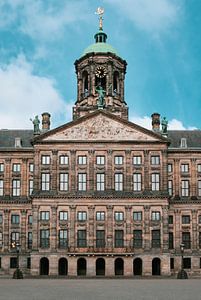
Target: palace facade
{"type": "Point", "coordinates": [100, 195]}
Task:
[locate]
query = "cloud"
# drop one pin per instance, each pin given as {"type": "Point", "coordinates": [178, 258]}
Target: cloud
{"type": "Point", "coordinates": [173, 124]}
{"type": "Point", "coordinates": [24, 95]}
{"type": "Point", "coordinates": [148, 15]}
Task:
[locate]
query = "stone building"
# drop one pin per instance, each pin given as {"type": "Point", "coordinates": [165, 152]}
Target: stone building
{"type": "Point", "coordinates": [100, 195]}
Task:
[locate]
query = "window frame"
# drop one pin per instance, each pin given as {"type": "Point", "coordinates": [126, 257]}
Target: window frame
{"type": "Point", "coordinates": [45, 159]}
{"type": "Point", "coordinates": [100, 160]}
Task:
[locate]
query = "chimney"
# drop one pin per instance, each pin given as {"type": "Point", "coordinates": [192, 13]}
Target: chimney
{"type": "Point", "coordinates": [155, 122]}
{"type": "Point", "coordinates": [45, 121]}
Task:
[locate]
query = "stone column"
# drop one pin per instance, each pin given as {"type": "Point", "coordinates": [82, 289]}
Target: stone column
{"type": "Point", "coordinates": [110, 235]}
{"type": "Point", "coordinates": [164, 174]}
{"type": "Point", "coordinates": [37, 175]}
{"type": "Point", "coordinates": [35, 228]}
{"type": "Point", "coordinates": [177, 229]}
{"type": "Point", "coordinates": [54, 170]}
{"type": "Point", "coordinates": [24, 237]}
{"type": "Point", "coordinates": [110, 179]}
{"type": "Point", "coordinates": [128, 237]}
{"type": "Point", "coordinates": [72, 233]}
{"type": "Point", "coordinates": [53, 229]}
{"type": "Point", "coordinates": [177, 177]}
{"type": "Point", "coordinates": [194, 238]}
{"type": "Point", "coordinates": [73, 180]}
{"type": "Point", "coordinates": [6, 230]}
{"type": "Point", "coordinates": [193, 183]}
{"type": "Point", "coordinates": [147, 236]}
{"type": "Point", "coordinates": [24, 178]}
{"type": "Point", "coordinates": [165, 229]}
{"type": "Point", "coordinates": [91, 171]}
{"type": "Point", "coordinates": [7, 178]}
{"type": "Point", "coordinates": [146, 170]}
{"type": "Point", "coordinates": [128, 174]}
{"type": "Point", "coordinates": [91, 232]}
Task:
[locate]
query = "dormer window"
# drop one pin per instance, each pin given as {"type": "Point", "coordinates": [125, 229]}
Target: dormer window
{"type": "Point", "coordinates": [18, 143]}
{"type": "Point", "coordinates": [183, 143]}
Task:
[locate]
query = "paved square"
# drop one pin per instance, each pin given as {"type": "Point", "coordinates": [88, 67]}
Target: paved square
{"type": "Point", "coordinates": [99, 289]}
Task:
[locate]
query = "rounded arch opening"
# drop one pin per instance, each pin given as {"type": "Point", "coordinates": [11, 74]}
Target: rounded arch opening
{"type": "Point", "coordinates": [100, 267]}
{"type": "Point", "coordinates": [44, 266]}
{"type": "Point", "coordinates": [119, 266]}
{"type": "Point", "coordinates": [156, 266]}
{"type": "Point", "coordinates": [81, 267]}
{"type": "Point", "coordinates": [116, 83]}
{"type": "Point", "coordinates": [137, 266]}
{"type": "Point", "coordinates": [63, 266]}
{"type": "Point", "coordinates": [85, 84]}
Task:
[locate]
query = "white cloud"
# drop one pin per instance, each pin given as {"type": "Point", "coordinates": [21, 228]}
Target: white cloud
{"type": "Point", "coordinates": [149, 15]}
{"type": "Point", "coordinates": [173, 124]}
{"type": "Point", "coordinates": [24, 95]}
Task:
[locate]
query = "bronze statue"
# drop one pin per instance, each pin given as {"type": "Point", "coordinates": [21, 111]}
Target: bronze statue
{"type": "Point", "coordinates": [101, 95]}
{"type": "Point", "coordinates": [36, 123]}
{"type": "Point", "coordinates": [164, 124]}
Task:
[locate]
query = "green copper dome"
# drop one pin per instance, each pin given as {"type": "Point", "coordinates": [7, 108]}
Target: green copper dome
{"type": "Point", "coordinates": [100, 47]}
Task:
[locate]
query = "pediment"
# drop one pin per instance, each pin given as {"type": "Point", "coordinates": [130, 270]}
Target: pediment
{"type": "Point", "coordinates": [101, 127]}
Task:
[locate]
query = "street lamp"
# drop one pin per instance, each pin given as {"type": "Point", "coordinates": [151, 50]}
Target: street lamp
{"type": "Point", "coordinates": [182, 274]}
{"type": "Point", "coordinates": [18, 273]}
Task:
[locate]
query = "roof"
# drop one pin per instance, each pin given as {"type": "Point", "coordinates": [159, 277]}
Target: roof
{"type": "Point", "coordinates": [193, 138]}
{"type": "Point", "coordinates": [100, 48]}
{"type": "Point", "coordinates": [7, 138]}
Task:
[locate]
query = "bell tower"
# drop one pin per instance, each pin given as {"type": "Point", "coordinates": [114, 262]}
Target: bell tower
{"type": "Point", "coordinates": [100, 78]}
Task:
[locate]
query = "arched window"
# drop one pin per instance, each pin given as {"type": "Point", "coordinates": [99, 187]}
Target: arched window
{"type": "Point", "coordinates": [85, 86]}
{"type": "Point", "coordinates": [63, 266]}
{"type": "Point", "coordinates": [156, 266]}
{"type": "Point", "coordinates": [81, 267]}
{"type": "Point", "coordinates": [44, 266]}
{"type": "Point", "coordinates": [116, 83]}
{"type": "Point", "coordinates": [119, 266]}
{"type": "Point", "coordinates": [100, 267]}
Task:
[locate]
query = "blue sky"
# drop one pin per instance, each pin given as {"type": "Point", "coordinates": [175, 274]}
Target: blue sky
{"type": "Point", "coordinates": [41, 39]}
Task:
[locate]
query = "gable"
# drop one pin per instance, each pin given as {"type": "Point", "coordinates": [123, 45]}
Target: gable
{"type": "Point", "coordinates": [101, 127]}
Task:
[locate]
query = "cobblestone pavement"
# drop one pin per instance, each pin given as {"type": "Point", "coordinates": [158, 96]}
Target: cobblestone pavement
{"type": "Point", "coordinates": [95, 289]}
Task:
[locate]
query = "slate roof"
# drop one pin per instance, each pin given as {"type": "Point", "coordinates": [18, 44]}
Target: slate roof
{"type": "Point", "coordinates": [193, 138]}
{"type": "Point", "coordinates": [7, 138]}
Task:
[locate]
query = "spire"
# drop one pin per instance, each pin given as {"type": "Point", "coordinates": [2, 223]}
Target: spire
{"type": "Point", "coordinates": [100, 36]}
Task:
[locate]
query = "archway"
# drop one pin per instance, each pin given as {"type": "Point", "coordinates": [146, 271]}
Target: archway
{"type": "Point", "coordinates": [156, 266]}
{"type": "Point", "coordinates": [100, 267]}
{"type": "Point", "coordinates": [137, 266]}
{"type": "Point", "coordinates": [63, 266]}
{"type": "Point", "coordinates": [81, 267]}
{"type": "Point", "coordinates": [119, 266]}
{"type": "Point", "coordinates": [44, 266]}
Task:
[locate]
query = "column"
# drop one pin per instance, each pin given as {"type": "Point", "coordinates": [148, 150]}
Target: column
{"type": "Point", "coordinates": [193, 178]}
{"type": "Point", "coordinates": [37, 171]}
{"type": "Point", "coordinates": [194, 237]}
{"type": "Point", "coordinates": [177, 229]}
{"type": "Point", "coordinates": [73, 180]}
{"type": "Point", "coordinates": [53, 229]}
{"type": "Point", "coordinates": [110, 179]}
{"type": "Point", "coordinates": [24, 178]}
{"type": "Point", "coordinates": [91, 237]}
{"type": "Point", "coordinates": [164, 176]}
{"type": "Point", "coordinates": [165, 229]}
{"type": "Point", "coordinates": [23, 229]}
{"type": "Point", "coordinates": [54, 170]}
{"type": "Point", "coordinates": [7, 178]}
{"type": "Point", "coordinates": [110, 218]}
{"type": "Point", "coordinates": [128, 233]}
{"type": "Point", "coordinates": [176, 177]}
{"type": "Point", "coordinates": [147, 236]}
{"type": "Point", "coordinates": [91, 170]}
{"type": "Point", "coordinates": [35, 228]}
{"type": "Point", "coordinates": [128, 175]}
{"type": "Point", "coordinates": [6, 229]}
{"type": "Point", "coordinates": [72, 233]}
{"type": "Point", "coordinates": [146, 171]}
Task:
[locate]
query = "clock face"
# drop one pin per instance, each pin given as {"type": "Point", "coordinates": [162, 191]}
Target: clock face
{"type": "Point", "coordinates": [101, 72]}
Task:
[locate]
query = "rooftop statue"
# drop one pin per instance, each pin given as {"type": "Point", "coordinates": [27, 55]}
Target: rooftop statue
{"type": "Point", "coordinates": [36, 123]}
{"type": "Point", "coordinates": [101, 95]}
{"type": "Point", "coordinates": [164, 124]}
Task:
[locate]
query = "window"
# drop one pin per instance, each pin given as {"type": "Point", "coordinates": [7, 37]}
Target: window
{"type": "Point", "coordinates": [199, 239]}
{"type": "Point", "coordinates": [199, 168]}
{"type": "Point", "coordinates": [82, 181]}
{"type": "Point", "coordinates": [187, 262]}
{"type": "Point", "coordinates": [30, 219]}
{"type": "Point", "coordinates": [63, 160]}
{"type": "Point", "coordinates": [16, 187]}
{"type": "Point", "coordinates": [100, 216]}
{"type": "Point", "coordinates": [155, 216]}
{"type": "Point", "coordinates": [185, 188]}
{"type": "Point", "coordinates": [100, 182]}
{"type": "Point", "coordinates": [1, 187]}
{"type": "Point", "coordinates": [156, 239]}
{"type": "Point", "coordinates": [29, 244]}
{"type": "Point", "coordinates": [169, 168]}
{"type": "Point", "coordinates": [1, 218]}
{"type": "Point", "coordinates": [199, 188]}
{"type": "Point", "coordinates": [170, 188]}
{"type": "Point", "coordinates": [45, 160]}
{"type": "Point", "coordinates": [170, 220]}
{"type": "Point", "coordinates": [137, 182]}
{"type": "Point", "coordinates": [119, 216]}
{"type": "Point", "coordinates": [118, 184]}
{"type": "Point", "coordinates": [155, 182]}
{"type": "Point", "coordinates": [171, 240]}
{"type": "Point", "coordinates": [183, 143]}
{"type": "Point", "coordinates": [137, 160]}
{"type": "Point", "coordinates": [184, 168]}
{"type": "Point", "coordinates": [118, 160]}
{"type": "Point", "coordinates": [100, 160]}
{"type": "Point", "coordinates": [137, 216]}
{"type": "Point", "coordinates": [31, 168]}
{"type": "Point", "coordinates": [30, 186]}
{"type": "Point", "coordinates": [45, 181]}
{"type": "Point", "coordinates": [63, 238]}
{"type": "Point", "coordinates": [171, 263]}
{"type": "Point", "coordinates": [81, 238]}
{"type": "Point", "coordinates": [155, 160]}
{"type": "Point", "coordinates": [82, 216]}
{"type": "Point", "coordinates": [44, 238]}
{"type": "Point", "coordinates": [28, 262]}
{"type": "Point", "coordinates": [100, 238]}
{"type": "Point", "coordinates": [137, 238]}
{"type": "Point", "coordinates": [185, 219]}
{"type": "Point", "coordinates": [1, 239]}
{"type": "Point", "coordinates": [15, 219]}
{"type": "Point", "coordinates": [15, 238]}
{"type": "Point", "coordinates": [1, 167]}
{"type": "Point", "coordinates": [119, 238]}
{"type": "Point", "coordinates": [82, 160]}
{"type": "Point", "coordinates": [63, 182]}
{"type": "Point", "coordinates": [44, 215]}
{"type": "Point", "coordinates": [63, 216]}
{"type": "Point", "coordinates": [16, 167]}
{"type": "Point", "coordinates": [186, 240]}
{"type": "Point", "coordinates": [13, 262]}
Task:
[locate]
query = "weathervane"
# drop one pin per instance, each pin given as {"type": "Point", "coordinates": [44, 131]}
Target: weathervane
{"type": "Point", "coordinates": [100, 12]}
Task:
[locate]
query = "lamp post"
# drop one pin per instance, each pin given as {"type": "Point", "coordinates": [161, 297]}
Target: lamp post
{"type": "Point", "coordinates": [182, 274]}
{"type": "Point", "coordinates": [18, 273]}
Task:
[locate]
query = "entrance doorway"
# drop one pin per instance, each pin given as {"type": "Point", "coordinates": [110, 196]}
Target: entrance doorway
{"type": "Point", "coordinates": [81, 267]}
{"type": "Point", "coordinates": [156, 266]}
{"type": "Point", "coordinates": [44, 266]}
{"type": "Point", "coordinates": [137, 266]}
{"type": "Point", "coordinates": [119, 266]}
{"type": "Point", "coordinates": [63, 266]}
{"type": "Point", "coordinates": [100, 267]}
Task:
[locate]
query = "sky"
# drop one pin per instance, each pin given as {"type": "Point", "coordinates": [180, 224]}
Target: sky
{"type": "Point", "coordinates": [41, 39]}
